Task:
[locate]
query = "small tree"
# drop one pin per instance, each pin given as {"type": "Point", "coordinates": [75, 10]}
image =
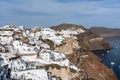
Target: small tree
{"type": "Point", "coordinates": [49, 42]}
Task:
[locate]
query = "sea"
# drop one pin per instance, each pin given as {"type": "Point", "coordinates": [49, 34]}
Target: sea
{"type": "Point", "coordinates": [112, 58]}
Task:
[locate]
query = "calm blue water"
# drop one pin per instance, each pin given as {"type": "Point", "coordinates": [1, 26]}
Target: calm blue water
{"type": "Point", "coordinates": [113, 56]}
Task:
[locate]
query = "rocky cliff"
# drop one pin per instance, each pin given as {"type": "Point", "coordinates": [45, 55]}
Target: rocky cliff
{"type": "Point", "coordinates": [106, 32]}
{"type": "Point", "coordinates": [68, 47]}
{"type": "Point", "coordinates": [92, 67]}
{"type": "Point", "coordinates": [92, 41]}
{"type": "Point", "coordinates": [79, 51]}
{"type": "Point", "coordinates": [95, 69]}
{"type": "Point", "coordinates": [65, 26]}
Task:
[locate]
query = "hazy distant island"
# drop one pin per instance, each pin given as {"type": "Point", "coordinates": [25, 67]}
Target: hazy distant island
{"type": "Point", "coordinates": [106, 32]}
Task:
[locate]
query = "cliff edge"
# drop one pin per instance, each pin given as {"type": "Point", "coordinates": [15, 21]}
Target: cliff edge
{"type": "Point", "coordinates": [106, 32]}
{"type": "Point", "coordinates": [79, 51]}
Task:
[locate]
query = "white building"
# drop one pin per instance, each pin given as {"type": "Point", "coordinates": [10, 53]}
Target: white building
{"type": "Point", "coordinates": [22, 48]}
{"type": "Point", "coordinates": [6, 36]}
{"type": "Point", "coordinates": [49, 55]}
{"type": "Point", "coordinates": [1, 61]}
{"type": "Point", "coordinates": [50, 34]}
{"type": "Point", "coordinates": [47, 32]}
{"type": "Point", "coordinates": [69, 33]}
{"type": "Point", "coordinates": [46, 55]}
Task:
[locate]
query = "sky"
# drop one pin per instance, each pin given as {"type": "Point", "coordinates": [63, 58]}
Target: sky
{"type": "Point", "coordinates": [47, 13]}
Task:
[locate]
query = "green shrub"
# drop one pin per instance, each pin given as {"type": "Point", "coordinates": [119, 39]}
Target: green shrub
{"type": "Point", "coordinates": [21, 76]}
{"type": "Point", "coordinates": [91, 79]}
{"type": "Point", "coordinates": [52, 66]}
{"type": "Point", "coordinates": [58, 34]}
{"type": "Point", "coordinates": [29, 79]}
{"type": "Point", "coordinates": [59, 78]}
{"type": "Point", "coordinates": [55, 66]}
{"type": "Point", "coordinates": [72, 70]}
{"type": "Point", "coordinates": [33, 44]}
{"type": "Point", "coordinates": [49, 42]}
{"type": "Point", "coordinates": [28, 72]}
{"type": "Point", "coordinates": [47, 67]}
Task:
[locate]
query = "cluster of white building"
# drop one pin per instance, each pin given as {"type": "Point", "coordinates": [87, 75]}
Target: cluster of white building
{"type": "Point", "coordinates": [22, 51]}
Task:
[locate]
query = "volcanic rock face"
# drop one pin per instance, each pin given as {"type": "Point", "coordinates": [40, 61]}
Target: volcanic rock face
{"type": "Point", "coordinates": [92, 42]}
{"type": "Point", "coordinates": [79, 52]}
{"type": "Point", "coordinates": [68, 46]}
{"type": "Point", "coordinates": [95, 69]}
{"type": "Point", "coordinates": [63, 73]}
{"type": "Point", "coordinates": [65, 26]}
{"type": "Point", "coordinates": [92, 67]}
{"type": "Point", "coordinates": [106, 32]}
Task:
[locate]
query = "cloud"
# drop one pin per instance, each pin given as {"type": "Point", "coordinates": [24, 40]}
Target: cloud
{"type": "Point", "coordinates": [30, 13]}
{"type": "Point", "coordinates": [51, 12]}
{"type": "Point", "coordinates": [9, 1]}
